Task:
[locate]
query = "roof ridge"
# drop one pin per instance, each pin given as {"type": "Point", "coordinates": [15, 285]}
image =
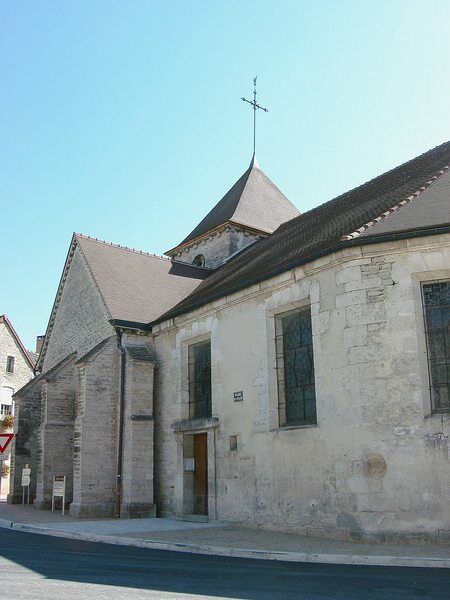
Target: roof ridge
{"type": "Point", "coordinates": [113, 245]}
{"type": "Point", "coordinates": [319, 231]}
{"type": "Point", "coordinates": [365, 184]}
{"type": "Point", "coordinates": [395, 207]}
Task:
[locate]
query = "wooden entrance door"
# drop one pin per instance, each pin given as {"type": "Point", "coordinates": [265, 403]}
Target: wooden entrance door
{"type": "Point", "coordinates": [201, 474]}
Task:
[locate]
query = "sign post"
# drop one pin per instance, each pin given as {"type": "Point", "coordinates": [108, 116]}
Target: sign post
{"type": "Point", "coordinates": [26, 479]}
{"type": "Point", "coordinates": [59, 490]}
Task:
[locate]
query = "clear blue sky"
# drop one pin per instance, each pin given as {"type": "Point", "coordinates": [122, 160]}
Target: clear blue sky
{"type": "Point", "coordinates": [123, 120]}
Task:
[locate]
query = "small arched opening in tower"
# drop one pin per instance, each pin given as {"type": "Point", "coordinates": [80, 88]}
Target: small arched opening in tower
{"type": "Point", "coordinates": [199, 260]}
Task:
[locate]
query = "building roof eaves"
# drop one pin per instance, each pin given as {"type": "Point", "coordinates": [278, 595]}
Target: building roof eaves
{"type": "Point", "coordinates": [93, 350]}
{"type": "Point", "coordinates": [48, 374]}
{"type": "Point", "coordinates": [214, 230]}
{"type": "Point", "coordinates": [379, 238]}
{"type": "Point", "coordinates": [397, 206]}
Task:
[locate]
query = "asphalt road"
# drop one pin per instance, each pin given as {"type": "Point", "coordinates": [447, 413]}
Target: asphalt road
{"type": "Point", "coordinates": [43, 567]}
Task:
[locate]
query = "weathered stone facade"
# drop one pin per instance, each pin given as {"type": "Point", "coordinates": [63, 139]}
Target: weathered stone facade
{"type": "Point", "coordinates": [217, 246]}
{"type": "Point", "coordinates": [95, 426]}
{"type": "Point", "coordinates": [82, 319]}
{"type": "Point", "coordinates": [377, 463]}
{"type": "Point", "coordinates": [69, 426]}
{"type": "Point", "coordinates": [138, 474]}
{"type": "Point", "coordinates": [55, 433]}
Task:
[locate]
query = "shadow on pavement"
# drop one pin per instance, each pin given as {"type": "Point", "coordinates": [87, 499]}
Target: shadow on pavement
{"type": "Point", "coordinates": [179, 573]}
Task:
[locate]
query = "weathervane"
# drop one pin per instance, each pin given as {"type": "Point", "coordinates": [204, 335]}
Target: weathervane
{"type": "Point", "coordinates": [255, 106]}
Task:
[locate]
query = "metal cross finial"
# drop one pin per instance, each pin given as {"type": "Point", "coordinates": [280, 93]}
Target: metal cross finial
{"type": "Point", "coordinates": [255, 106]}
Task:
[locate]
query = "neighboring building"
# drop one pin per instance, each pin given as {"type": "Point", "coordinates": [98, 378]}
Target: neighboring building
{"type": "Point", "coordinates": [16, 369]}
{"type": "Point", "coordinates": [295, 378]}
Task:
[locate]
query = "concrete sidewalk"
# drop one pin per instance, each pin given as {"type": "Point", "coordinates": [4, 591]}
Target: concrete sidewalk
{"type": "Point", "coordinates": [219, 538]}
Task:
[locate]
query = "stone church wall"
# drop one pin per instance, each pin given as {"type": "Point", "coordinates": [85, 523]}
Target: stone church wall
{"type": "Point", "coordinates": [81, 319]}
{"type": "Point", "coordinates": [377, 464]}
{"type": "Point", "coordinates": [166, 410]}
{"type": "Point", "coordinates": [138, 453]}
{"type": "Point", "coordinates": [95, 432]}
{"type": "Point", "coordinates": [96, 425]}
{"type": "Point", "coordinates": [55, 434]}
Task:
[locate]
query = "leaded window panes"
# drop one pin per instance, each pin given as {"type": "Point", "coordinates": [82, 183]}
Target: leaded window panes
{"type": "Point", "coordinates": [295, 369]}
{"type": "Point", "coordinates": [436, 303]}
{"type": "Point", "coordinates": [199, 358]}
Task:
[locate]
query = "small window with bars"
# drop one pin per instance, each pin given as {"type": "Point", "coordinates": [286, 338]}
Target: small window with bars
{"type": "Point", "coordinates": [10, 364]}
{"type": "Point", "coordinates": [436, 305]}
{"type": "Point", "coordinates": [199, 368]}
{"type": "Point", "coordinates": [295, 368]}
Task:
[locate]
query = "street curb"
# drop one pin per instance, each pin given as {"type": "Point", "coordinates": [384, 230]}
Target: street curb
{"type": "Point", "coordinates": [338, 559]}
{"type": "Point", "coordinates": [6, 523]}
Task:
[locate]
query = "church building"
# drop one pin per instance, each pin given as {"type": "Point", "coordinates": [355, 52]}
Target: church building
{"type": "Point", "coordinates": [276, 369]}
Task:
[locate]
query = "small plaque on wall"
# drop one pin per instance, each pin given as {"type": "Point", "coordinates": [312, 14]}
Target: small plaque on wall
{"type": "Point", "coordinates": [189, 464]}
{"type": "Point", "coordinates": [238, 396]}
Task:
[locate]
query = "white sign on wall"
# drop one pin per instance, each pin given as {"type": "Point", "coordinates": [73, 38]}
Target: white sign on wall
{"type": "Point", "coordinates": [59, 490]}
{"type": "Point", "coordinates": [189, 464]}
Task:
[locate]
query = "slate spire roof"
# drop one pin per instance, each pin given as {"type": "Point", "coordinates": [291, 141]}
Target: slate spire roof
{"type": "Point", "coordinates": [254, 201]}
{"type": "Point", "coordinates": [412, 199]}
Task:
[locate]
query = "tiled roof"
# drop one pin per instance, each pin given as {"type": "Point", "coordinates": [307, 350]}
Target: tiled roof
{"type": "Point", "coordinates": [324, 228]}
{"type": "Point", "coordinates": [33, 356]}
{"type": "Point", "coordinates": [140, 352]}
{"type": "Point", "coordinates": [137, 286]}
{"type": "Point", "coordinates": [253, 201]}
{"type": "Point", "coordinates": [426, 209]}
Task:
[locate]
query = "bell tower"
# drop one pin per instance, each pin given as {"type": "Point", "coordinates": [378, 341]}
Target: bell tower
{"type": "Point", "coordinates": [253, 208]}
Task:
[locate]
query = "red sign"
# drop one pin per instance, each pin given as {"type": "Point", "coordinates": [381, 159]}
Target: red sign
{"type": "Point", "coordinates": [5, 444]}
